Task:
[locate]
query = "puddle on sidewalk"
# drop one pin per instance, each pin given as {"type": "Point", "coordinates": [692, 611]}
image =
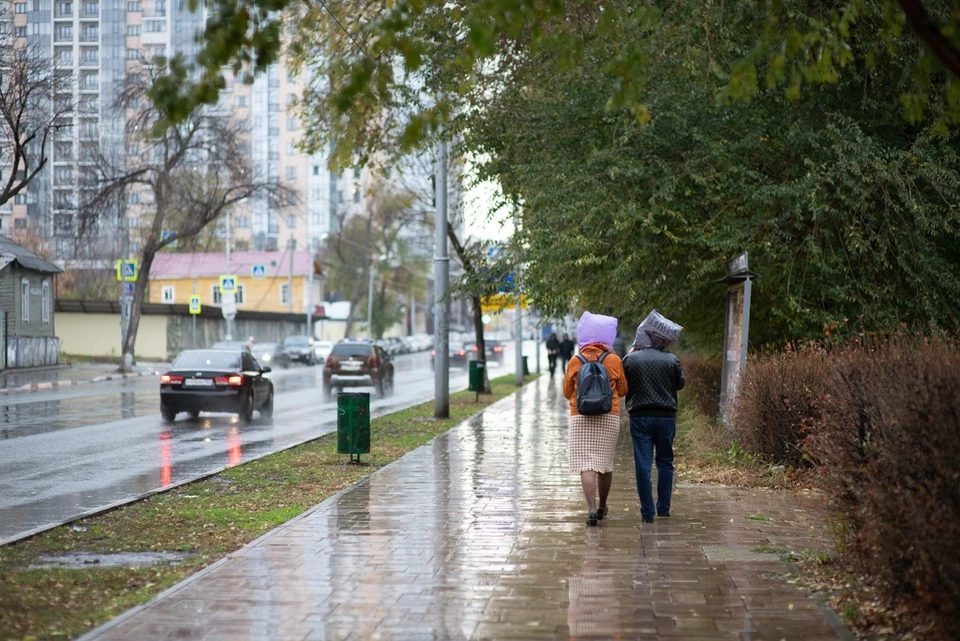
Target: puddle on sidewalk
{"type": "Point", "coordinates": [728, 553]}
{"type": "Point", "coordinates": [92, 560]}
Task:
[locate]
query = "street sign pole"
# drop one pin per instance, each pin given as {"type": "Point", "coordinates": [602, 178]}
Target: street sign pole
{"type": "Point", "coordinates": [127, 274]}
{"type": "Point", "coordinates": [194, 316]}
{"type": "Point", "coordinates": [441, 308]}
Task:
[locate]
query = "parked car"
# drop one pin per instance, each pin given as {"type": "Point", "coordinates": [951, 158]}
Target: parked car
{"type": "Point", "coordinates": [322, 349]}
{"type": "Point", "coordinates": [216, 380]}
{"type": "Point", "coordinates": [271, 354]}
{"type": "Point", "coordinates": [395, 346]}
{"type": "Point", "coordinates": [231, 345]}
{"type": "Point", "coordinates": [300, 349]}
{"type": "Point", "coordinates": [358, 364]}
{"type": "Point", "coordinates": [456, 357]}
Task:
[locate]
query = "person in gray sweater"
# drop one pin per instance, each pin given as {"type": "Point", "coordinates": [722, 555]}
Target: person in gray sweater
{"type": "Point", "coordinates": [654, 376]}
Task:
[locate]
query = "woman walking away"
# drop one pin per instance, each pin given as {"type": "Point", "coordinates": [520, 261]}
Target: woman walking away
{"type": "Point", "coordinates": [553, 351]}
{"type": "Point", "coordinates": [594, 383]}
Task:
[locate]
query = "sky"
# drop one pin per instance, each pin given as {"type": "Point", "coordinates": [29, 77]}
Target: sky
{"type": "Point", "coordinates": [478, 200]}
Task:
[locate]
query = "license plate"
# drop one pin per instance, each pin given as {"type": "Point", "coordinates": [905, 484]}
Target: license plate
{"type": "Point", "coordinates": [351, 365]}
{"type": "Point", "coordinates": [198, 382]}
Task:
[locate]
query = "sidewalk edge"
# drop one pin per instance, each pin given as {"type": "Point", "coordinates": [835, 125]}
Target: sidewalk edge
{"type": "Point", "coordinates": [48, 385]}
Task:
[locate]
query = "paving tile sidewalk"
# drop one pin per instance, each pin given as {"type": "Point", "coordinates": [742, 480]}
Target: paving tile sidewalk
{"type": "Point", "coordinates": [480, 535]}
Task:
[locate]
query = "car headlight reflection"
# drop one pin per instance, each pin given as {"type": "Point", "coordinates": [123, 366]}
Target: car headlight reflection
{"type": "Point", "coordinates": [267, 357]}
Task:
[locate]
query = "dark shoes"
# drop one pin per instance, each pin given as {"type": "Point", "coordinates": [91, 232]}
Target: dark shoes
{"type": "Point", "coordinates": [602, 512]}
{"type": "Point", "coordinates": [648, 520]}
{"type": "Point", "coordinates": [663, 514]}
{"type": "Point", "coordinates": [592, 519]}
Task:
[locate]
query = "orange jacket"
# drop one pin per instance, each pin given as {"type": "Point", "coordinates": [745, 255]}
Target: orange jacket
{"type": "Point", "coordinates": [618, 382]}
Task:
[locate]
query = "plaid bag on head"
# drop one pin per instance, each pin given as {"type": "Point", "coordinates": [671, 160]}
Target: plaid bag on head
{"type": "Point", "coordinates": [657, 331]}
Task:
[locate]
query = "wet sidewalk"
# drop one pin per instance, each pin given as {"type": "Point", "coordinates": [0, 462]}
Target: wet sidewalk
{"type": "Point", "coordinates": [480, 535]}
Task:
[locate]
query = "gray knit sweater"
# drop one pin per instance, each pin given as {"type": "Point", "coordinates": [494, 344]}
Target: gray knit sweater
{"type": "Point", "coordinates": [653, 379]}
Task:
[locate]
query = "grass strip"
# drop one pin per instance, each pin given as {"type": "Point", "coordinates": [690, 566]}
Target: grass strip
{"type": "Point", "coordinates": [203, 521]}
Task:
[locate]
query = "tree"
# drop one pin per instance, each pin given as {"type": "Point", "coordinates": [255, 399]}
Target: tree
{"type": "Point", "coordinates": [192, 173]}
{"type": "Point", "coordinates": [847, 210]}
{"type": "Point", "coordinates": [373, 241]}
{"type": "Point", "coordinates": [374, 56]}
{"type": "Point", "coordinates": [30, 107]}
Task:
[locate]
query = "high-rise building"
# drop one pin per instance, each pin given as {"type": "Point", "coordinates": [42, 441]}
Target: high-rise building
{"type": "Point", "coordinates": [93, 45]}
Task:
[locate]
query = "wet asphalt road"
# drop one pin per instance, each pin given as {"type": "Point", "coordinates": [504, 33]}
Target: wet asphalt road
{"type": "Point", "coordinates": [69, 451]}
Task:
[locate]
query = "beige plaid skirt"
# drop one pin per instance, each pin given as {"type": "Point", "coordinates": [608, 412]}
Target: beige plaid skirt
{"type": "Point", "coordinates": [592, 440]}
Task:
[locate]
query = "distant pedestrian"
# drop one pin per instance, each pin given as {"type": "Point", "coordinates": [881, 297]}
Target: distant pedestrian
{"type": "Point", "coordinates": [250, 343]}
{"type": "Point", "coordinates": [553, 352]}
{"type": "Point", "coordinates": [566, 352]}
{"type": "Point", "coordinates": [594, 410]}
{"type": "Point", "coordinates": [654, 376]}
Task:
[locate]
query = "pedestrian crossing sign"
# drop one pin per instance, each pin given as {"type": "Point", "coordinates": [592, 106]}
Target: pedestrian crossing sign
{"type": "Point", "coordinates": [259, 271]}
{"type": "Point", "coordinates": [127, 270]}
{"type": "Point", "coordinates": [228, 284]}
{"type": "Point", "coordinates": [195, 305]}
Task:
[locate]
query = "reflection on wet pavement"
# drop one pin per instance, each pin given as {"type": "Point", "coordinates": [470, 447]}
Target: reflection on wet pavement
{"type": "Point", "coordinates": [31, 413]}
{"type": "Point", "coordinates": [49, 474]}
{"type": "Point", "coordinates": [480, 535]}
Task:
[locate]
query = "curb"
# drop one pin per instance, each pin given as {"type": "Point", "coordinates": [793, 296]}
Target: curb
{"type": "Point", "coordinates": [47, 385]}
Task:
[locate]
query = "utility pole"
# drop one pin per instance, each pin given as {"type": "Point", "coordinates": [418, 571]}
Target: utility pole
{"type": "Point", "coordinates": [370, 302]}
{"type": "Point", "coordinates": [518, 377]}
{"type": "Point", "coordinates": [290, 245]}
{"type": "Point", "coordinates": [229, 335]}
{"type": "Point", "coordinates": [441, 310]}
{"type": "Point", "coordinates": [323, 299]}
{"type": "Point", "coordinates": [308, 298]}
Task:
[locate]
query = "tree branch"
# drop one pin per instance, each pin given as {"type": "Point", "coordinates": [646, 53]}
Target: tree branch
{"type": "Point", "coordinates": [929, 33]}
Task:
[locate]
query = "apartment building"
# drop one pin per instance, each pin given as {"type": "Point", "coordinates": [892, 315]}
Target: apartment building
{"type": "Point", "coordinates": [93, 44]}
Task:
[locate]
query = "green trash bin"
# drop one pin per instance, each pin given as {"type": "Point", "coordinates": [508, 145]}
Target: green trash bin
{"type": "Point", "coordinates": [353, 424]}
{"type": "Point", "coordinates": [526, 371]}
{"type": "Point", "coordinates": [475, 378]}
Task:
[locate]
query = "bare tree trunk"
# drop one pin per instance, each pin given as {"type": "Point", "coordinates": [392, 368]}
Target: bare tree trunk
{"type": "Point", "coordinates": [477, 311]}
{"type": "Point", "coordinates": [481, 341]}
{"type": "Point", "coordinates": [136, 310]}
{"type": "Point", "coordinates": [353, 309]}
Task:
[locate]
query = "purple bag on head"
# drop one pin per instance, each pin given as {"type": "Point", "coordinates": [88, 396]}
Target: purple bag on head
{"type": "Point", "coordinates": [596, 328]}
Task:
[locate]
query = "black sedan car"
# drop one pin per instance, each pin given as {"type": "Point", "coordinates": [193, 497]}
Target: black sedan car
{"type": "Point", "coordinates": [207, 380]}
{"type": "Point", "coordinates": [300, 349]}
{"type": "Point", "coordinates": [456, 357]}
{"type": "Point", "coordinates": [271, 354]}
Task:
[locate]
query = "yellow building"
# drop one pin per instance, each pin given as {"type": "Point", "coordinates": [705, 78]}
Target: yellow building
{"type": "Point", "coordinates": [266, 281]}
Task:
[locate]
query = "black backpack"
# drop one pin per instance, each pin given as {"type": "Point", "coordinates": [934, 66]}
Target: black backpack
{"type": "Point", "coordinates": [594, 395]}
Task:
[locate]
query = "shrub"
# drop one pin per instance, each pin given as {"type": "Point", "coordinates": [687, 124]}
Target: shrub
{"type": "Point", "coordinates": [703, 383]}
{"type": "Point", "coordinates": [882, 421]}
{"type": "Point", "coordinates": [778, 403]}
{"type": "Point", "coordinates": [890, 445]}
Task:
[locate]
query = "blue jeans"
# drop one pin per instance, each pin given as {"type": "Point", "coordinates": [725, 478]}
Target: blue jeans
{"type": "Point", "coordinates": [649, 434]}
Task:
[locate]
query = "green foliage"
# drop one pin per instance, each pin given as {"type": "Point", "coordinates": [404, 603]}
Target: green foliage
{"type": "Point", "coordinates": [848, 212]}
{"type": "Point", "coordinates": [647, 143]}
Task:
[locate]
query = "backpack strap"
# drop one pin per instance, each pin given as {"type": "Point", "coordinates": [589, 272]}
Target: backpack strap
{"type": "Point", "coordinates": [581, 358]}
{"type": "Point", "coordinates": [603, 356]}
